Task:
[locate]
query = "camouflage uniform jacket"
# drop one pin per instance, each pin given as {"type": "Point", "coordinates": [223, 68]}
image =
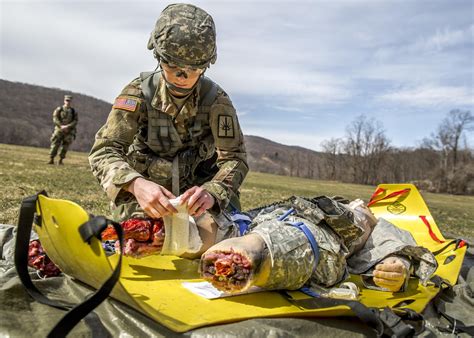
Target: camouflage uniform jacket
{"type": "Point", "coordinates": [63, 116]}
{"type": "Point", "coordinates": [128, 145]}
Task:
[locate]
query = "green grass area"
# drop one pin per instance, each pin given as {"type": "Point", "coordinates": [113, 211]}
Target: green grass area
{"type": "Point", "coordinates": [23, 172]}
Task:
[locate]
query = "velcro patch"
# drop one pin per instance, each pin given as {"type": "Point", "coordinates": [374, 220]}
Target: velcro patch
{"type": "Point", "coordinates": [226, 126]}
{"type": "Point", "coordinates": [125, 103]}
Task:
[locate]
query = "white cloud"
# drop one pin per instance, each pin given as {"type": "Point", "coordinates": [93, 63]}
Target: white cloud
{"type": "Point", "coordinates": [431, 96]}
{"type": "Point", "coordinates": [416, 46]}
{"type": "Point", "coordinates": [318, 61]}
{"type": "Point", "coordinates": [446, 38]}
{"type": "Point", "coordinates": [297, 86]}
{"type": "Point", "coordinates": [241, 113]}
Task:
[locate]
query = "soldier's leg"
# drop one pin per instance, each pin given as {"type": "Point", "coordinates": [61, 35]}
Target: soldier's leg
{"type": "Point", "coordinates": [66, 142]}
{"type": "Point", "coordinates": [331, 269]}
{"type": "Point", "coordinates": [53, 150]}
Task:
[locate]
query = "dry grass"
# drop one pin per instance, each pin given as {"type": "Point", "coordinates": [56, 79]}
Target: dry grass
{"type": "Point", "coordinates": [23, 172]}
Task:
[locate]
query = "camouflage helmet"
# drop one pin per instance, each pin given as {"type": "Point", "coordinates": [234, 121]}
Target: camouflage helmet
{"type": "Point", "coordinates": [185, 35]}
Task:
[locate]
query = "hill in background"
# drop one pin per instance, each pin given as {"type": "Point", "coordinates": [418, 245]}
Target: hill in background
{"type": "Point", "coordinates": [26, 119]}
{"type": "Point", "coordinates": [26, 115]}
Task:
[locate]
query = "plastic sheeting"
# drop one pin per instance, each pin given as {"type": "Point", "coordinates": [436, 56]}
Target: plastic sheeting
{"type": "Point", "coordinates": [21, 316]}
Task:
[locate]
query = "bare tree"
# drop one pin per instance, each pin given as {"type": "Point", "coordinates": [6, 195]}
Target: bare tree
{"type": "Point", "coordinates": [292, 164]}
{"type": "Point", "coordinates": [333, 148]}
{"type": "Point", "coordinates": [457, 123]}
{"type": "Point", "coordinates": [309, 165]}
{"type": "Point", "coordinates": [366, 146]}
{"type": "Point", "coordinates": [447, 140]}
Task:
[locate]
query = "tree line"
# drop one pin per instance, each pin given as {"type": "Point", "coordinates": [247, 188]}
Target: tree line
{"type": "Point", "coordinates": [442, 162]}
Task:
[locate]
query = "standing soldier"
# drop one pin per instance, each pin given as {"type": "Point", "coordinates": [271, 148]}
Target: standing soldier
{"type": "Point", "coordinates": [65, 121]}
{"type": "Point", "coordinates": [174, 132]}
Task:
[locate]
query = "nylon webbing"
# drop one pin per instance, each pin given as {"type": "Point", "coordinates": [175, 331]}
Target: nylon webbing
{"type": "Point", "coordinates": [393, 194]}
{"type": "Point", "coordinates": [367, 315]}
{"type": "Point", "coordinates": [91, 228]}
{"type": "Point", "coordinates": [459, 243]}
{"type": "Point", "coordinates": [455, 325]}
{"type": "Point", "coordinates": [309, 235]}
{"type": "Point", "coordinates": [312, 241]}
{"type": "Point", "coordinates": [25, 223]}
{"type": "Point", "coordinates": [430, 230]}
{"type": "Point", "coordinates": [175, 176]}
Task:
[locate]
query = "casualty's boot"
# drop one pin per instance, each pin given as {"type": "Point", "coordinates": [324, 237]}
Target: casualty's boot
{"type": "Point", "coordinates": [51, 160]}
{"type": "Point", "coordinates": [60, 162]}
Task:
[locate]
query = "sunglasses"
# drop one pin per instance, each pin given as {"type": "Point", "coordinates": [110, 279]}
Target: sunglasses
{"type": "Point", "coordinates": [188, 69]}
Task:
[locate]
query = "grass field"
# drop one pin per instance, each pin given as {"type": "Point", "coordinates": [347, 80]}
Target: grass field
{"type": "Point", "coordinates": [23, 172]}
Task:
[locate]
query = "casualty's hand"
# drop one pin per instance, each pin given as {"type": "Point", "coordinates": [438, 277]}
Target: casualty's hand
{"type": "Point", "coordinates": [390, 274]}
{"type": "Point", "coordinates": [152, 197]}
{"type": "Point", "coordinates": [199, 200]}
{"type": "Point", "coordinates": [64, 128]}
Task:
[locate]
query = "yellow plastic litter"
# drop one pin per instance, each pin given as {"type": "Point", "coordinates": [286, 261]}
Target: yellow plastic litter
{"type": "Point", "coordinates": [407, 210]}
{"type": "Point", "coordinates": [153, 285]}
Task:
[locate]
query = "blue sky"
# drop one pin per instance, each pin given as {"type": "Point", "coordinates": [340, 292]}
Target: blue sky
{"type": "Point", "coordinates": [298, 72]}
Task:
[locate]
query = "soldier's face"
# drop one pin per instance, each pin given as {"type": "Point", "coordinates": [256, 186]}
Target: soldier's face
{"type": "Point", "coordinates": [181, 77]}
{"type": "Point", "coordinates": [67, 103]}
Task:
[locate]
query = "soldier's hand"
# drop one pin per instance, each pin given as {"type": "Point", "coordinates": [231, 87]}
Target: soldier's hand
{"type": "Point", "coordinates": [199, 200]}
{"type": "Point", "coordinates": [64, 128]}
{"type": "Point", "coordinates": [390, 274]}
{"type": "Point", "coordinates": [152, 197]}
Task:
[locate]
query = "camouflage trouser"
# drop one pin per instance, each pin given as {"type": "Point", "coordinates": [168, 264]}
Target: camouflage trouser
{"type": "Point", "coordinates": [60, 141]}
{"type": "Point", "coordinates": [293, 260]}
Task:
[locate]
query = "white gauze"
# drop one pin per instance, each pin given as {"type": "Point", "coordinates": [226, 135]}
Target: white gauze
{"type": "Point", "coordinates": [181, 233]}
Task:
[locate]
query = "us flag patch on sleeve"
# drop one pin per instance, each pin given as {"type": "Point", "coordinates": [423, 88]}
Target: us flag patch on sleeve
{"type": "Point", "coordinates": [125, 103]}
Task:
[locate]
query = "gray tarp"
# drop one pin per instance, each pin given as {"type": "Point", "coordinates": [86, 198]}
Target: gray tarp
{"type": "Point", "coordinates": [21, 316]}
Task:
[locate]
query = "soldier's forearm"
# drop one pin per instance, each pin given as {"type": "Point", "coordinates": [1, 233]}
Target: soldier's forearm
{"type": "Point", "coordinates": [232, 173]}
{"type": "Point", "coordinates": [226, 183]}
{"type": "Point", "coordinates": [109, 165]}
{"type": "Point", "coordinates": [220, 193]}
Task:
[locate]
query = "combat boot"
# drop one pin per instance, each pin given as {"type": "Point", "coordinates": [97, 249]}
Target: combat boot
{"type": "Point", "coordinates": [51, 160]}
{"type": "Point", "coordinates": [60, 161]}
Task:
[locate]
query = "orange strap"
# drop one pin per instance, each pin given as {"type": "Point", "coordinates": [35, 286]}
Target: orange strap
{"type": "Point", "coordinates": [393, 194]}
{"type": "Point", "coordinates": [432, 234]}
{"type": "Point", "coordinates": [375, 194]}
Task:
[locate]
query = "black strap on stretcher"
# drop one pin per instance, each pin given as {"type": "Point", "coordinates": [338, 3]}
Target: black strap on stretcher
{"type": "Point", "coordinates": [455, 326]}
{"type": "Point", "coordinates": [393, 323]}
{"type": "Point", "coordinates": [88, 230]}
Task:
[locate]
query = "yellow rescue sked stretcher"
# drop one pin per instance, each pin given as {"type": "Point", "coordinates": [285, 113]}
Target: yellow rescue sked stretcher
{"type": "Point", "coordinates": [153, 285]}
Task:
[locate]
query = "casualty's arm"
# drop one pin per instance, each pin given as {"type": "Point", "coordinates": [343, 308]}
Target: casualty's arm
{"type": "Point", "coordinates": [107, 157]}
{"type": "Point", "coordinates": [232, 157]}
{"type": "Point", "coordinates": [392, 273]}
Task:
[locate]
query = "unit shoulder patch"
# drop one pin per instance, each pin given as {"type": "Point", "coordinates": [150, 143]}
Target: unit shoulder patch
{"type": "Point", "coordinates": [226, 126]}
{"type": "Point", "coordinates": [125, 103]}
